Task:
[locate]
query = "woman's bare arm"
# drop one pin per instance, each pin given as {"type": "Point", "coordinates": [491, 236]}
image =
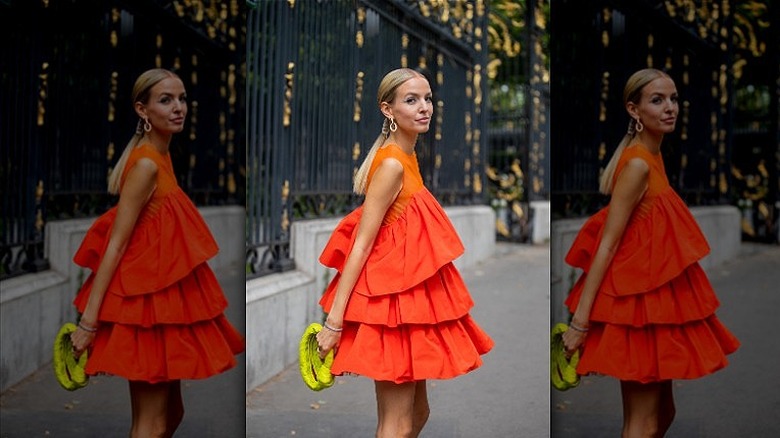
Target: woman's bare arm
{"type": "Point", "coordinates": [138, 187]}
{"type": "Point", "coordinates": [629, 188]}
{"type": "Point", "coordinates": [383, 190]}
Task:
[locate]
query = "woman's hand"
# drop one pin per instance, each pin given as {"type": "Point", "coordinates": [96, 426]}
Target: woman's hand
{"type": "Point", "coordinates": [328, 339]}
{"type": "Point", "coordinates": [81, 340]}
{"type": "Point", "coordinates": [574, 337]}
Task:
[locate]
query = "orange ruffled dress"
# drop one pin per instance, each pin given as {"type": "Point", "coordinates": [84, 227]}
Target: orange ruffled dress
{"type": "Point", "coordinates": [407, 318]}
{"type": "Point", "coordinates": [653, 318]}
{"type": "Point", "coordinates": [161, 318]}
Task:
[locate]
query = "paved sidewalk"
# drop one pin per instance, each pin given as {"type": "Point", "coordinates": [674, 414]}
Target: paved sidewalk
{"type": "Point", "coordinates": [507, 397]}
{"type": "Point", "coordinates": [741, 400]}
{"type": "Point", "coordinates": [39, 407]}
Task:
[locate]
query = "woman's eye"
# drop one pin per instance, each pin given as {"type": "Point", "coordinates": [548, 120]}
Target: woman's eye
{"type": "Point", "coordinates": [410, 101]}
{"type": "Point", "coordinates": [429, 99]}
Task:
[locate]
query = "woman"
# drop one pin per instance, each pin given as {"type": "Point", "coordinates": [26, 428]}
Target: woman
{"type": "Point", "coordinates": [398, 309]}
{"type": "Point", "coordinates": [643, 310]}
{"type": "Point", "coordinates": [152, 310]}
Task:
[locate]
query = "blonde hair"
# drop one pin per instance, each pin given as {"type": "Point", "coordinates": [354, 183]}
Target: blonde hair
{"type": "Point", "coordinates": [141, 91]}
{"type": "Point", "coordinates": [386, 93]}
{"type": "Point", "coordinates": [631, 93]}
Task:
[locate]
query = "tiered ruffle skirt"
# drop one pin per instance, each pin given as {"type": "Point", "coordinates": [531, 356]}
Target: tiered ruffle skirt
{"type": "Point", "coordinates": [408, 315]}
{"type": "Point", "coordinates": [653, 318]}
{"type": "Point", "coordinates": [161, 318]}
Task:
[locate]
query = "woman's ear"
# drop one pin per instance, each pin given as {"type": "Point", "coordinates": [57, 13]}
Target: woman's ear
{"type": "Point", "coordinates": [386, 110]}
{"type": "Point", "coordinates": [632, 110]}
{"type": "Point", "coordinates": [140, 109]}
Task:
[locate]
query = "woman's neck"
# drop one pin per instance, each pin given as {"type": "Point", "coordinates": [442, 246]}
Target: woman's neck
{"type": "Point", "coordinates": [158, 141]}
{"type": "Point", "coordinates": [649, 141]}
{"type": "Point", "coordinates": [404, 140]}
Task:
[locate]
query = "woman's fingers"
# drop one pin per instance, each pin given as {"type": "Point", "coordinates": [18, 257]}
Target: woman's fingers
{"type": "Point", "coordinates": [81, 340]}
{"type": "Point", "coordinates": [326, 341]}
{"type": "Point", "coordinates": [572, 341]}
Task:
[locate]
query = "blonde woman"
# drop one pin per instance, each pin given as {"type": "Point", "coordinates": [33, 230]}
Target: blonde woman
{"type": "Point", "coordinates": [398, 311]}
{"type": "Point", "coordinates": [152, 310]}
{"type": "Point", "coordinates": [643, 311]}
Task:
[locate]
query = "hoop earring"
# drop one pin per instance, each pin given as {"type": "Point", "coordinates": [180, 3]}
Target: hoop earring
{"type": "Point", "coordinates": [147, 125]}
{"type": "Point", "coordinates": [639, 126]}
{"type": "Point", "coordinates": [393, 125]}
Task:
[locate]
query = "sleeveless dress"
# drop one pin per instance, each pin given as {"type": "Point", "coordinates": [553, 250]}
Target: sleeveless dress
{"type": "Point", "coordinates": [407, 318]}
{"type": "Point", "coordinates": [161, 318]}
{"type": "Point", "coordinates": [653, 318]}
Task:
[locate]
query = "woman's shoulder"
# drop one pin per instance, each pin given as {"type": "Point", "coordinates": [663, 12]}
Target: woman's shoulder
{"type": "Point", "coordinates": [145, 157]}
{"type": "Point", "coordinates": [636, 151]}
{"type": "Point", "coordinates": [636, 159]}
{"type": "Point", "coordinates": [146, 150]}
{"type": "Point", "coordinates": [635, 154]}
{"type": "Point", "coordinates": [392, 150]}
{"type": "Point", "coordinates": [138, 152]}
{"type": "Point", "coordinates": [390, 155]}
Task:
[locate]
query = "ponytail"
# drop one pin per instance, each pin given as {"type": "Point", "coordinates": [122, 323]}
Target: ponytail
{"type": "Point", "coordinates": [115, 177]}
{"type": "Point", "coordinates": [361, 176]}
{"type": "Point", "coordinates": [605, 182]}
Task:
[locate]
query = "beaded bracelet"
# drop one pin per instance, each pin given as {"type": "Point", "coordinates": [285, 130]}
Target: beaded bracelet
{"type": "Point", "coordinates": [88, 329]}
{"type": "Point", "coordinates": [579, 329]}
{"type": "Point", "coordinates": [333, 329]}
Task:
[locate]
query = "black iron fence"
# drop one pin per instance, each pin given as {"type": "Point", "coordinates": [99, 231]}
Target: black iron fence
{"type": "Point", "coordinates": [518, 135]}
{"type": "Point", "coordinates": [313, 69]}
{"type": "Point", "coordinates": [595, 47]}
{"type": "Point", "coordinates": [68, 68]}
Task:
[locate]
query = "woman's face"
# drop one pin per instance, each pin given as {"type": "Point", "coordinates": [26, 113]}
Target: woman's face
{"type": "Point", "coordinates": [657, 108]}
{"type": "Point", "coordinates": [412, 107]}
{"type": "Point", "coordinates": [167, 106]}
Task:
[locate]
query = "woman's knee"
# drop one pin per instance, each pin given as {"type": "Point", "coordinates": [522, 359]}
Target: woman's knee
{"type": "Point", "coordinates": [158, 409]}
{"type": "Point", "coordinates": [643, 409]}
{"type": "Point", "coordinates": [421, 409]}
{"type": "Point", "coordinates": [421, 414]}
{"type": "Point", "coordinates": [396, 409]}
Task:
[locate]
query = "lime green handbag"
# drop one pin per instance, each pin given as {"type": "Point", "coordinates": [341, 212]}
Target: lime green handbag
{"type": "Point", "coordinates": [70, 373]}
{"type": "Point", "coordinates": [314, 370]}
{"type": "Point", "coordinates": [563, 372]}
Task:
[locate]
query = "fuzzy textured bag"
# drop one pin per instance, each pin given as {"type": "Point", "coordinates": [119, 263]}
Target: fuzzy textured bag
{"type": "Point", "coordinates": [563, 372]}
{"type": "Point", "coordinates": [314, 370]}
{"type": "Point", "coordinates": [69, 372]}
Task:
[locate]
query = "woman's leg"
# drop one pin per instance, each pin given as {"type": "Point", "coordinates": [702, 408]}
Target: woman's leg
{"type": "Point", "coordinates": [175, 407]}
{"type": "Point", "coordinates": [395, 409]}
{"type": "Point", "coordinates": [668, 410]}
{"type": "Point", "coordinates": [421, 409]}
{"type": "Point", "coordinates": [157, 409]}
{"type": "Point", "coordinates": [642, 409]}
